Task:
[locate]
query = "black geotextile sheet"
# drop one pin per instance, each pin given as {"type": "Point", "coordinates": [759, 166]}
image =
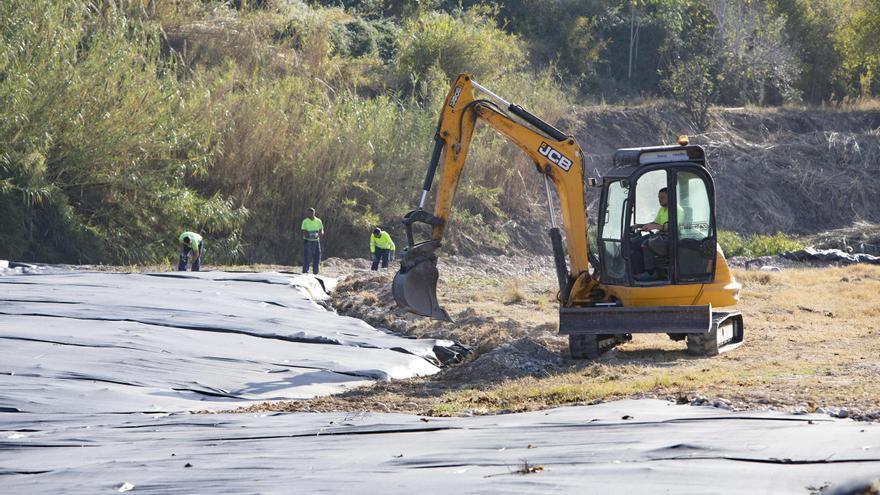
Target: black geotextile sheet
{"type": "Point", "coordinates": [646, 446]}
{"type": "Point", "coordinates": [102, 342]}
{"type": "Point", "coordinates": [98, 373]}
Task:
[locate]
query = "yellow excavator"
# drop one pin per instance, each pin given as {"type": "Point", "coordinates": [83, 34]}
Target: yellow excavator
{"type": "Point", "coordinates": [659, 267]}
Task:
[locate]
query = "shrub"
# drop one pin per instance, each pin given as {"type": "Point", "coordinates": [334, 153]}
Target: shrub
{"type": "Point", "coordinates": [469, 41]}
{"type": "Point", "coordinates": [693, 83]}
{"type": "Point", "coordinates": [98, 140]}
{"type": "Point", "coordinates": [356, 38]}
{"type": "Point", "coordinates": [387, 34]}
{"type": "Point", "coordinates": [770, 245]}
{"type": "Point", "coordinates": [731, 243]}
{"type": "Point", "coordinates": [513, 292]}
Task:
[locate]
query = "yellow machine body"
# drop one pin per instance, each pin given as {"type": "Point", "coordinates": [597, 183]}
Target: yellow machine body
{"type": "Point", "coordinates": [596, 311]}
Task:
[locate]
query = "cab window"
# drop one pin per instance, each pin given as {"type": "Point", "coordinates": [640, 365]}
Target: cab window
{"type": "Point", "coordinates": [695, 232]}
{"type": "Point", "coordinates": [611, 232]}
{"type": "Point", "coordinates": [648, 186]}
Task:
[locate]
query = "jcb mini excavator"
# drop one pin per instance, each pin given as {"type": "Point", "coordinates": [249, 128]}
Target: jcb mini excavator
{"type": "Point", "coordinates": [604, 298]}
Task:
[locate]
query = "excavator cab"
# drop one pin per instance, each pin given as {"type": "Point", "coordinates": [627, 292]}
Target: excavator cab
{"type": "Point", "coordinates": [635, 248]}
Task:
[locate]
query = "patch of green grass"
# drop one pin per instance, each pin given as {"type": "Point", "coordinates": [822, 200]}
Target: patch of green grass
{"type": "Point", "coordinates": [757, 245]}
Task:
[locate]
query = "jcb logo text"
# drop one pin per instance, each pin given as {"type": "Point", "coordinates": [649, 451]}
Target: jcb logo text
{"type": "Point", "coordinates": [554, 156]}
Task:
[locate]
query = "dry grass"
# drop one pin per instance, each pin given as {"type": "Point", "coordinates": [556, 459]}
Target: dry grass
{"type": "Point", "coordinates": [812, 336]}
{"type": "Point", "coordinates": [513, 292]}
{"type": "Point", "coordinates": [847, 105]}
{"type": "Point", "coordinates": [812, 339]}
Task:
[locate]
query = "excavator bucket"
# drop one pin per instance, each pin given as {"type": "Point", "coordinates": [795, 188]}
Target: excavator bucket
{"type": "Point", "coordinates": [415, 284]}
{"type": "Point", "coordinates": [415, 288]}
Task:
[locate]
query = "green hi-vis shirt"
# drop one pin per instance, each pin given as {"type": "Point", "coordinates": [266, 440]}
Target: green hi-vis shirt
{"type": "Point", "coordinates": [382, 242]}
{"type": "Point", "coordinates": [662, 217]}
{"type": "Point", "coordinates": [313, 227]}
{"type": "Point", "coordinates": [194, 239]}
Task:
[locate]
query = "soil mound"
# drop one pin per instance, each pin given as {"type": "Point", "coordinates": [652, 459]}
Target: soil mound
{"type": "Point", "coordinates": [517, 359]}
{"type": "Point", "coordinates": [367, 295]}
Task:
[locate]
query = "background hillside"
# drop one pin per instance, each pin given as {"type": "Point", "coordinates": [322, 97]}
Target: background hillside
{"type": "Point", "coordinates": [123, 122]}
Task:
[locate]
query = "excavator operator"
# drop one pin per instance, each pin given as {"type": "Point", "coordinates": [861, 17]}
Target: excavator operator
{"type": "Point", "coordinates": [655, 244]}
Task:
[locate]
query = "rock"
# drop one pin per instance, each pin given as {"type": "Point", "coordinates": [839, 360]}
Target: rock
{"type": "Point", "coordinates": [841, 413]}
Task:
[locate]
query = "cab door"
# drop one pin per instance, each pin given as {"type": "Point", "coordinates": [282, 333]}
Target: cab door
{"type": "Point", "coordinates": [611, 238]}
{"type": "Point", "coordinates": [692, 221]}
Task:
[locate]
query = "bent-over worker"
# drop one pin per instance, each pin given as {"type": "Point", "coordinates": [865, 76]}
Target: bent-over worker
{"type": "Point", "coordinates": [191, 242]}
{"type": "Point", "coordinates": [381, 246]}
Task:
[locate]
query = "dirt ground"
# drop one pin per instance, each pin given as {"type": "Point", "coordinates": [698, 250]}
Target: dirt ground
{"type": "Point", "coordinates": [812, 344]}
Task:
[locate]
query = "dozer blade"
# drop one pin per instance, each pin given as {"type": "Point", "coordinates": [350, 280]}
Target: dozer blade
{"type": "Point", "coordinates": [613, 320]}
{"type": "Point", "coordinates": [415, 289]}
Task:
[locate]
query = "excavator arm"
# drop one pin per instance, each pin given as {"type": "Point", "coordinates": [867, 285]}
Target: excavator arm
{"type": "Point", "coordinates": [555, 155]}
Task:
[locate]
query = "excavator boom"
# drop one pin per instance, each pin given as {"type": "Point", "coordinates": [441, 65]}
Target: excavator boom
{"type": "Point", "coordinates": [556, 156]}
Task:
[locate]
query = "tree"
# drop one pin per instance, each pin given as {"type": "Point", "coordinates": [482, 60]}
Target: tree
{"type": "Point", "coordinates": [437, 46]}
{"type": "Point", "coordinates": [757, 64]}
{"type": "Point", "coordinates": [694, 84]}
{"type": "Point", "coordinates": [810, 29]}
{"type": "Point", "coordinates": [729, 52]}
{"type": "Point", "coordinates": [859, 43]}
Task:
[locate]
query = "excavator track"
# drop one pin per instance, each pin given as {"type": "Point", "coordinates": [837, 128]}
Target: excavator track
{"type": "Point", "coordinates": [591, 346]}
{"type": "Point", "coordinates": [725, 334]}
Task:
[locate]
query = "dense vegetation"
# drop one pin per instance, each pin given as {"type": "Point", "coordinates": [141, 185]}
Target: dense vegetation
{"type": "Point", "coordinates": [123, 122]}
